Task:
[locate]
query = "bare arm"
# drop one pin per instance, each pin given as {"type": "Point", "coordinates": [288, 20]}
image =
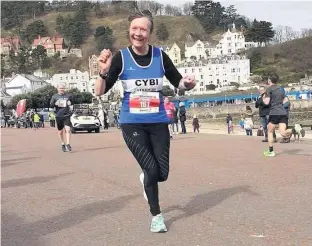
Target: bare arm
{"type": "Point", "coordinates": [100, 85]}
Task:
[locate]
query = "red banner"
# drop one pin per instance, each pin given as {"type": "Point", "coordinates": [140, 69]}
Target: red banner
{"type": "Point", "coordinates": [21, 107]}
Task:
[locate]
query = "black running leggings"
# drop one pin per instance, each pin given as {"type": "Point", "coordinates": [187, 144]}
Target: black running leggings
{"type": "Point", "coordinates": [150, 143]}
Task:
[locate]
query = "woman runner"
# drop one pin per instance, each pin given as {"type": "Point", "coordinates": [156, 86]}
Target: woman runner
{"type": "Point", "coordinates": [143, 118]}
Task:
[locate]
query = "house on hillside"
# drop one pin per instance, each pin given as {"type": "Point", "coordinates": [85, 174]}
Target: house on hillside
{"type": "Point", "coordinates": [23, 83]}
{"type": "Point", "coordinates": [174, 52]}
{"type": "Point", "coordinates": [10, 43]}
{"type": "Point", "coordinates": [51, 44]}
{"type": "Point", "coordinates": [93, 67]}
{"type": "Point", "coordinates": [71, 80]}
{"type": "Point", "coordinates": [231, 42]}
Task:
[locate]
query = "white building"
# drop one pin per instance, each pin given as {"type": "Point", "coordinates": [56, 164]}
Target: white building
{"type": "Point", "coordinates": [23, 83]}
{"type": "Point", "coordinates": [217, 71]}
{"type": "Point", "coordinates": [232, 42]}
{"type": "Point", "coordinates": [174, 53]}
{"type": "Point", "coordinates": [73, 79]}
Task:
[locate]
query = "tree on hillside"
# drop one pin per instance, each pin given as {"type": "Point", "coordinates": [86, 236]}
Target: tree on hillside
{"type": "Point", "coordinates": [34, 29]}
{"type": "Point", "coordinates": [261, 32]}
{"type": "Point", "coordinates": [162, 32]}
{"type": "Point", "coordinates": [104, 38]}
{"type": "Point", "coordinates": [187, 8]}
{"type": "Point", "coordinates": [230, 15]}
{"type": "Point", "coordinates": [74, 29]}
{"type": "Point", "coordinates": [210, 14]}
{"type": "Point", "coordinates": [39, 57]}
{"type": "Point", "coordinates": [255, 57]}
{"type": "Point", "coordinates": [14, 13]}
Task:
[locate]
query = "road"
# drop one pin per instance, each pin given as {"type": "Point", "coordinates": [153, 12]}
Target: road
{"type": "Point", "coordinates": [220, 191]}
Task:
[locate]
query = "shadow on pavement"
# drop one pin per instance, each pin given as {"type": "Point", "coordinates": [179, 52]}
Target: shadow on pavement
{"type": "Point", "coordinates": [16, 232]}
{"type": "Point", "coordinates": [294, 152]}
{"type": "Point", "coordinates": [32, 180]}
{"type": "Point", "coordinates": [11, 162]}
{"type": "Point", "coordinates": [101, 148]}
{"type": "Point", "coordinates": [203, 202]}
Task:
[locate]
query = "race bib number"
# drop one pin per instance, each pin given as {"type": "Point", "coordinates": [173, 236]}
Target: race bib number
{"type": "Point", "coordinates": [62, 103]}
{"type": "Point", "coordinates": [168, 111]}
{"type": "Point", "coordinates": [144, 102]}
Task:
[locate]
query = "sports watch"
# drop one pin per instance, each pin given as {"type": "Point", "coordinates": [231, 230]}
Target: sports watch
{"type": "Point", "coordinates": [103, 76]}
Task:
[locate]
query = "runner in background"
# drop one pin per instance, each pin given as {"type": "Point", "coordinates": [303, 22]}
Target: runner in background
{"type": "Point", "coordinates": [62, 103]}
{"type": "Point", "coordinates": [170, 108]}
{"type": "Point", "coordinates": [143, 119]}
{"type": "Point", "coordinates": [275, 97]}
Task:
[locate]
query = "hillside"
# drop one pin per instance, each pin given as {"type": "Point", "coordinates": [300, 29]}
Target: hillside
{"type": "Point", "coordinates": [120, 24]}
{"type": "Point", "coordinates": [291, 60]}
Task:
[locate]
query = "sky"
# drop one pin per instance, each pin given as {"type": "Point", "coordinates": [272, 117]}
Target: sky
{"type": "Point", "coordinates": [296, 14]}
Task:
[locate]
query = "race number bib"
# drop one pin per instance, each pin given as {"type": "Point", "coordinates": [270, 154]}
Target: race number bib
{"type": "Point", "coordinates": [144, 102]}
{"type": "Point", "coordinates": [62, 103]}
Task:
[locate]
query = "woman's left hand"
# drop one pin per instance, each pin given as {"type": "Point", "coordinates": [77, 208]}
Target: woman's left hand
{"type": "Point", "coordinates": [188, 81]}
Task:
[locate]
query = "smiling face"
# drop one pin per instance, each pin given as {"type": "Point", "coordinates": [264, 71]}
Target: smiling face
{"type": "Point", "coordinates": [166, 100]}
{"type": "Point", "coordinates": [140, 30]}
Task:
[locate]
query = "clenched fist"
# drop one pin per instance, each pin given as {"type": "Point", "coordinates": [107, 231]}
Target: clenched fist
{"type": "Point", "coordinates": [105, 61]}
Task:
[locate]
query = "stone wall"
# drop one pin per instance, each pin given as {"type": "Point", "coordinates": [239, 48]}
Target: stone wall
{"type": "Point", "coordinates": [301, 111]}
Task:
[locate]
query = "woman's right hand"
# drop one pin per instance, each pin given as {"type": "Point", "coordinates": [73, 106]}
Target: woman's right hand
{"type": "Point", "coordinates": [105, 61]}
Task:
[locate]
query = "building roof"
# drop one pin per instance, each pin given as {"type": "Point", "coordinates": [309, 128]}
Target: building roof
{"type": "Point", "coordinates": [32, 78]}
{"type": "Point", "coordinates": [43, 40]}
{"type": "Point", "coordinates": [4, 94]}
{"type": "Point", "coordinates": [13, 42]}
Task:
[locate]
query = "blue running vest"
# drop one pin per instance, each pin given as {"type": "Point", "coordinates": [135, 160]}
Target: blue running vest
{"type": "Point", "coordinates": [142, 101]}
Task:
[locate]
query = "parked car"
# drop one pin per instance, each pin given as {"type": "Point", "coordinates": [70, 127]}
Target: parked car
{"type": "Point", "coordinates": [84, 122]}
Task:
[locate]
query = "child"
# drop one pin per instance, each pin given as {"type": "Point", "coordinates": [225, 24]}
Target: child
{"type": "Point", "coordinates": [36, 120]}
{"type": "Point", "coordinates": [195, 124]}
{"type": "Point", "coordinates": [231, 127]}
{"type": "Point", "coordinates": [248, 125]}
{"type": "Point", "coordinates": [241, 123]}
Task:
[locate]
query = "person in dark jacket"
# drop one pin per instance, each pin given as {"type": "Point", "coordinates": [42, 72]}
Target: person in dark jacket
{"type": "Point", "coordinates": [175, 123]}
{"type": "Point", "coordinates": [182, 115]}
{"type": "Point", "coordinates": [195, 124]}
{"type": "Point", "coordinates": [264, 114]}
{"type": "Point", "coordinates": [228, 121]}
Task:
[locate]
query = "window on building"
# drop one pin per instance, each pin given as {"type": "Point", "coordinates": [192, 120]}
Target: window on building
{"type": "Point", "coordinates": [93, 91]}
{"type": "Point", "coordinates": [83, 84]}
{"type": "Point", "coordinates": [175, 55]}
{"type": "Point", "coordinates": [95, 66]}
{"type": "Point", "coordinates": [66, 78]}
{"type": "Point", "coordinates": [84, 90]}
{"type": "Point", "coordinates": [71, 77]}
{"type": "Point", "coordinates": [218, 81]}
{"type": "Point", "coordinates": [175, 61]}
{"type": "Point", "coordinates": [229, 51]}
{"type": "Point", "coordinates": [229, 38]}
{"type": "Point", "coordinates": [229, 44]}
{"type": "Point", "coordinates": [77, 77]}
{"type": "Point", "coordinates": [233, 70]}
{"type": "Point", "coordinates": [61, 78]}
{"type": "Point", "coordinates": [82, 77]}
{"type": "Point", "coordinates": [201, 83]}
{"type": "Point", "coordinates": [200, 69]}
{"type": "Point", "coordinates": [193, 70]}
{"type": "Point", "coordinates": [185, 70]}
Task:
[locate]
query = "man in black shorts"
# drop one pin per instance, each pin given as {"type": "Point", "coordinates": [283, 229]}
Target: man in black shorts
{"type": "Point", "coordinates": [275, 98]}
{"type": "Point", "coordinates": [62, 102]}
